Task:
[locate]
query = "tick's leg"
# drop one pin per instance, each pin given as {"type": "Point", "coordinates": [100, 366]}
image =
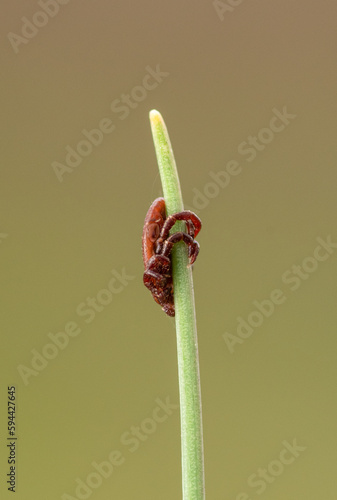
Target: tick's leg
{"type": "Point", "coordinates": [193, 251]}
{"type": "Point", "coordinates": [186, 215]}
{"type": "Point", "coordinates": [192, 221]}
{"type": "Point", "coordinates": [175, 238]}
{"type": "Point", "coordinates": [190, 228]}
{"type": "Point", "coordinates": [193, 246]}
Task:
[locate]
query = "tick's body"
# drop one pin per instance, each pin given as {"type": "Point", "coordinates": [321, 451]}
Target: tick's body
{"type": "Point", "coordinates": [157, 247]}
{"type": "Point", "coordinates": [153, 224]}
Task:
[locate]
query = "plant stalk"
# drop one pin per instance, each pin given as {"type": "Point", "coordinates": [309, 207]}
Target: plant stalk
{"type": "Point", "coordinates": [193, 482]}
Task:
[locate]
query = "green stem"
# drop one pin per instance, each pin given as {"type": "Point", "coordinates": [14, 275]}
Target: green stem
{"type": "Point", "coordinates": [186, 328]}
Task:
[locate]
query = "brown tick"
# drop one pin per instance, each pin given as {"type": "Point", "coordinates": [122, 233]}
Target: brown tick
{"type": "Point", "coordinates": [157, 247]}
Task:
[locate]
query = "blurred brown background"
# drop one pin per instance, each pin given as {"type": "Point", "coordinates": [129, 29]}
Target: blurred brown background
{"type": "Point", "coordinates": [247, 90]}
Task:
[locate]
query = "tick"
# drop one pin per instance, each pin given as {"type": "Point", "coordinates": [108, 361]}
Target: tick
{"type": "Point", "coordinates": [157, 246]}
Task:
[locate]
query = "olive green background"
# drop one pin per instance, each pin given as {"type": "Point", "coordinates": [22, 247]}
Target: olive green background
{"type": "Point", "coordinates": [60, 242]}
